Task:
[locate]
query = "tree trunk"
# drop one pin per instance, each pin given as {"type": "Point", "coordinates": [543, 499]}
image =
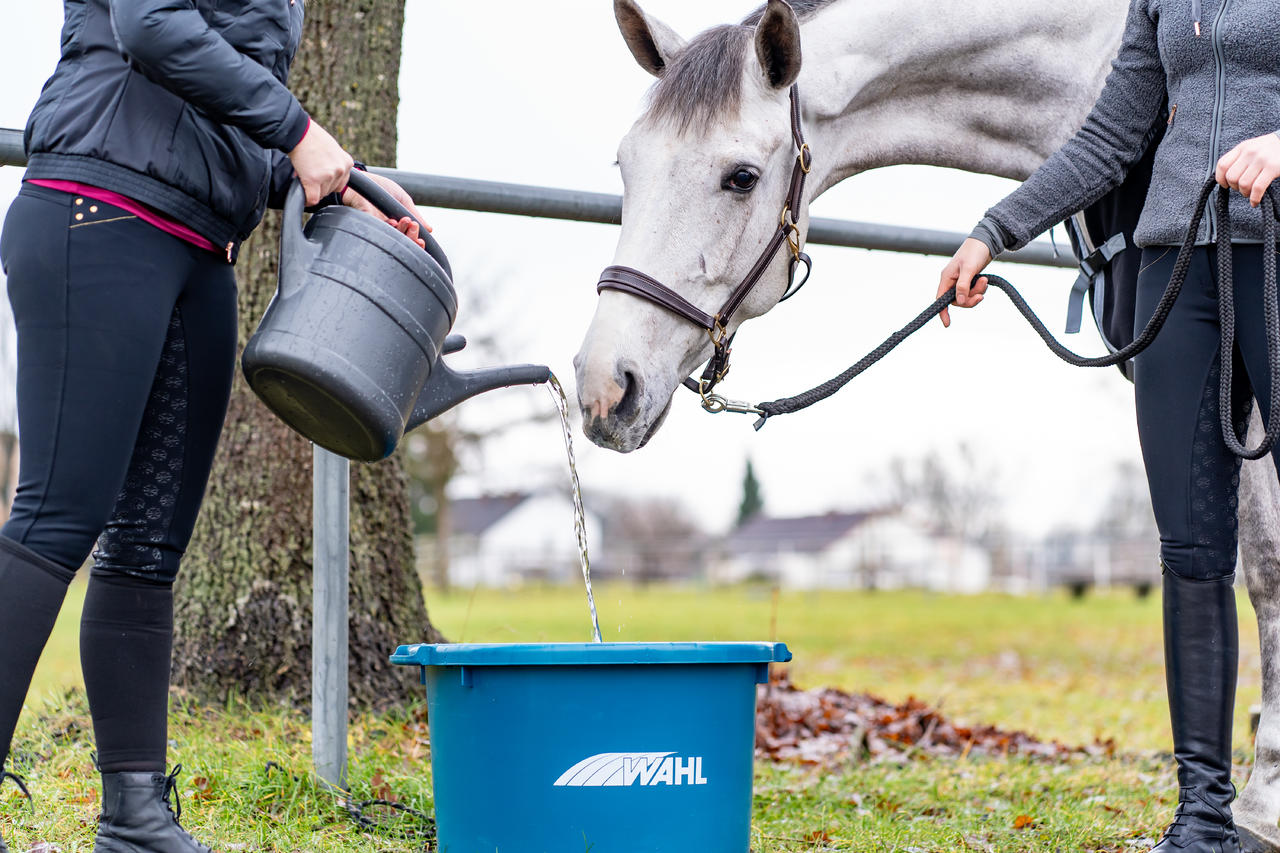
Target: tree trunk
{"type": "Point", "coordinates": [244, 599]}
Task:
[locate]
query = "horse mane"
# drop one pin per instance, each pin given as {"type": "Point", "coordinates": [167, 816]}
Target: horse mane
{"type": "Point", "coordinates": [704, 82]}
{"type": "Point", "coordinates": [804, 10]}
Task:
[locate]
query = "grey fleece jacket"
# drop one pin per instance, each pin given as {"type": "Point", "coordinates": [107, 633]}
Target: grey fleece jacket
{"type": "Point", "coordinates": [1226, 88]}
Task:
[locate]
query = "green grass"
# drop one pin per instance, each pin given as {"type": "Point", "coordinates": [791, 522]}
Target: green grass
{"type": "Point", "coordinates": [1058, 668]}
{"type": "Point", "coordinates": [994, 805]}
{"type": "Point", "coordinates": [1062, 669]}
{"type": "Point", "coordinates": [245, 785]}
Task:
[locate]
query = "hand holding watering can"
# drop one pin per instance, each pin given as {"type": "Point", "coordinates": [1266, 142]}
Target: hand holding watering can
{"type": "Point", "coordinates": [348, 352]}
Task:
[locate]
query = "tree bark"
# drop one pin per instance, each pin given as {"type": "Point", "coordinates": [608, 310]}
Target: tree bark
{"type": "Point", "coordinates": [244, 598]}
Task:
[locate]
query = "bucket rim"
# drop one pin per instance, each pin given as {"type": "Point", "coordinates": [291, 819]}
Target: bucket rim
{"type": "Point", "coordinates": [588, 654]}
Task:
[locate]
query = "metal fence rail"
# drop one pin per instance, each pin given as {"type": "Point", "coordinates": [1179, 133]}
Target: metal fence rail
{"type": "Point", "coordinates": [580, 206]}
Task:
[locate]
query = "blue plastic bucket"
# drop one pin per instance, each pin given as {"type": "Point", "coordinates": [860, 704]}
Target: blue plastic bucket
{"type": "Point", "coordinates": [599, 747]}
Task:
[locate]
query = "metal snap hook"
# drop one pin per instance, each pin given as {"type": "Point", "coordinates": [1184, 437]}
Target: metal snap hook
{"type": "Point", "coordinates": [715, 404]}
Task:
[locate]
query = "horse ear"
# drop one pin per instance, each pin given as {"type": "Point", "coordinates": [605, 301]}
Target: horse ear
{"type": "Point", "coordinates": [652, 42]}
{"type": "Point", "coordinates": [778, 44]}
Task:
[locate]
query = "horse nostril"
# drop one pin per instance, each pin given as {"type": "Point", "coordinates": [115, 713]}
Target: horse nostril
{"type": "Point", "coordinates": [629, 405]}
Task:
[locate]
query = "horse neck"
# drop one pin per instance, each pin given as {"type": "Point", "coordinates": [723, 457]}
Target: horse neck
{"type": "Point", "coordinates": [989, 86]}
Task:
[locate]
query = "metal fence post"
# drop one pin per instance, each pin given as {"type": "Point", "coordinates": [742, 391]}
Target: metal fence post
{"type": "Point", "coordinates": [331, 544]}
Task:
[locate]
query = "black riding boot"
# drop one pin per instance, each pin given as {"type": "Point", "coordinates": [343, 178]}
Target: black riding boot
{"type": "Point", "coordinates": [139, 817]}
{"type": "Point", "coordinates": [1200, 650]}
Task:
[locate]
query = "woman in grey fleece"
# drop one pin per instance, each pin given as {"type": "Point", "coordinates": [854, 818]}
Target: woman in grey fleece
{"type": "Point", "coordinates": [1211, 71]}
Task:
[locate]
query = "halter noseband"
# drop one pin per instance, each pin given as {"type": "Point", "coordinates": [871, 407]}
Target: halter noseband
{"type": "Point", "coordinates": [646, 287]}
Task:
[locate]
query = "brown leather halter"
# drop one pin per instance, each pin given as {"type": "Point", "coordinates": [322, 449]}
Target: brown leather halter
{"type": "Point", "coordinates": [636, 283]}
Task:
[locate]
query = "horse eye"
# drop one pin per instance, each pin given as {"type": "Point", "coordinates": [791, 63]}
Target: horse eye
{"type": "Point", "coordinates": [741, 181]}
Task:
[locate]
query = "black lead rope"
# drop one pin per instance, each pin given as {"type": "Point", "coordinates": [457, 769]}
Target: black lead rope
{"type": "Point", "coordinates": [1181, 266]}
{"type": "Point", "coordinates": [417, 824]}
{"type": "Point", "coordinates": [1227, 319]}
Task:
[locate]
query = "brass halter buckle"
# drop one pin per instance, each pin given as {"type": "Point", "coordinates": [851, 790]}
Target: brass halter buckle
{"type": "Point", "coordinates": [787, 222]}
{"type": "Point", "coordinates": [718, 334]}
{"type": "Point", "coordinates": [805, 158]}
{"type": "Point", "coordinates": [720, 338]}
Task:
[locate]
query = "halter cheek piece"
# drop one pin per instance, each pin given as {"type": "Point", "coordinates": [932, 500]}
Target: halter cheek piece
{"type": "Point", "coordinates": [646, 287]}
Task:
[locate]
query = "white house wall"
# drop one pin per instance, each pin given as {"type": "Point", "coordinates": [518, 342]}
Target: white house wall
{"type": "Point", "coordinates": [536, 541]}
{"type": "Point", "coordinates": [887, 552]}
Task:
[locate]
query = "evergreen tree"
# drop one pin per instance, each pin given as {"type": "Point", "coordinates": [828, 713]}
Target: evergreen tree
{"type": "Point", "coordinates": [752, 500]}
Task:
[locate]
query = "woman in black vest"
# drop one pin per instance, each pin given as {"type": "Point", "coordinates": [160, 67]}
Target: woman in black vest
{"type": "Point", "coordinates": [1217, 67]}
{"type": "Point", "coordinates": [164, 132]}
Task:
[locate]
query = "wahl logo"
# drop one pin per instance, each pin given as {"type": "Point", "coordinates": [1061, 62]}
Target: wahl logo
{"type": "Point", "coordinates": [622, 769]}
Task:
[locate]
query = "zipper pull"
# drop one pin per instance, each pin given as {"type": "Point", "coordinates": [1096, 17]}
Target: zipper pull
{"type": "Point", "coordinates": [230, 246]}
{"type": "Point", "coordinates": [1173, 111]}
{"type": "Point", "coordinates": [1196, 15]}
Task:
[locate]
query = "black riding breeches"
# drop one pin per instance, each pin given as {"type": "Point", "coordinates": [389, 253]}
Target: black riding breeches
{"type": "Point", "coordinates": [1192, 475]}
{"type": "Point", "coordinates": [126, 347]}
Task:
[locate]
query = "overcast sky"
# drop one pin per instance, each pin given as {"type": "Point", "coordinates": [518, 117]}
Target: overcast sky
{"type": "Point", "coordinates": [540, 93]}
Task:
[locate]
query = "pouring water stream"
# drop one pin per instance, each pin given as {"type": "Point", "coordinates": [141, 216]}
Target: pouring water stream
{"type": "Point", "coordinates": [580, 516]}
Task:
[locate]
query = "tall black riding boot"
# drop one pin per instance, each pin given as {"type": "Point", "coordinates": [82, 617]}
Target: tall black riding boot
{"type": "Point", "coordinates": [138, 815]}
{"type": "Point", "coordinates": [1200, 651]}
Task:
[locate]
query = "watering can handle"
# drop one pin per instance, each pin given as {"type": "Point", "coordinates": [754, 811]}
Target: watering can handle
{"type": "Point", "coordinates": [367, 187]}
{"type": "Point", "coordinates": [296, 251]}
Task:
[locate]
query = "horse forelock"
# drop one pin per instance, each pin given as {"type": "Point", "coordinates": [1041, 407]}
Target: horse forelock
{"type": "Point", "coordinates": [704, 82]}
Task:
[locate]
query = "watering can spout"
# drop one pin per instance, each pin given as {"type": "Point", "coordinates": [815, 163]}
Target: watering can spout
{"type": "Point", "coordinates": [447, 387]}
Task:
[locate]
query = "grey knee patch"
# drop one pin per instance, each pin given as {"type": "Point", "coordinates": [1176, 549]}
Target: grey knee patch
{"type": "Point", "coordinates": [134, 542]}
{"type": "Point", "coordinates": [1213, 491]}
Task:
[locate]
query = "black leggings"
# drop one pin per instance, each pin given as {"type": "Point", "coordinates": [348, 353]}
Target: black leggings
{"type": "Point", "coordinates": [126, 347]}
{"type": "Point", "coordinates": [1192, 475]}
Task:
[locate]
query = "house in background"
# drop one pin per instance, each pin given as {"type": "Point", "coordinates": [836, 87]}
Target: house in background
{"type": "Point", "coordinates": [513, 539]}
{"type": "Point", "coordinates": [507, 540]}
{"type": "Point", "coordinates": [883, 549]}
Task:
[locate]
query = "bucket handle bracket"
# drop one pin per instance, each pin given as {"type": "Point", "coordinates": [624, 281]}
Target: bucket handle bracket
{"type": "Point", "coordinates": [762, 673]}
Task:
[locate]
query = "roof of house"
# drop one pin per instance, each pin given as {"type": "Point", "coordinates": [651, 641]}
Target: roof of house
{"type": "Point", "coordinates": [811, 534]}
{"type": "Point", "coordinates": [473, 516]}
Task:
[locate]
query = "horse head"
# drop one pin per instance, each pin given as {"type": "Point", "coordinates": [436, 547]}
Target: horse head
{"type": "Point", "coordinates": [705, 169]}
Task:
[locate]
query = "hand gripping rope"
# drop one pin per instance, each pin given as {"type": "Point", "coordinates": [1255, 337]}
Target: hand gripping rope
{"type": "Point", "coordinates": [1226, 309]}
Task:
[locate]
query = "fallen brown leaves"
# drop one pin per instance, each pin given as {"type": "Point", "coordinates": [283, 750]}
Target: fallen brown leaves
{"type": "Point", "coordinates": [202, 789]}
{"type": "Point", "coordinates": [826, 725]}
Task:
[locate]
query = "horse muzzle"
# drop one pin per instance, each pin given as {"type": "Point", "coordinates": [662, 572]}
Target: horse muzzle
{"type": "Point", "coordinates": [619, 410]}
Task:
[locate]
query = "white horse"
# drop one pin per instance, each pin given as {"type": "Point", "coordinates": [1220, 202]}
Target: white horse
{"type": "Point", "coordinates": [991, 86]}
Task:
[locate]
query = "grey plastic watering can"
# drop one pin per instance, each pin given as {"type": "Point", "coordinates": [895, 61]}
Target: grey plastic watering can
{"type": "Point", "coordinates": [348, 351]}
